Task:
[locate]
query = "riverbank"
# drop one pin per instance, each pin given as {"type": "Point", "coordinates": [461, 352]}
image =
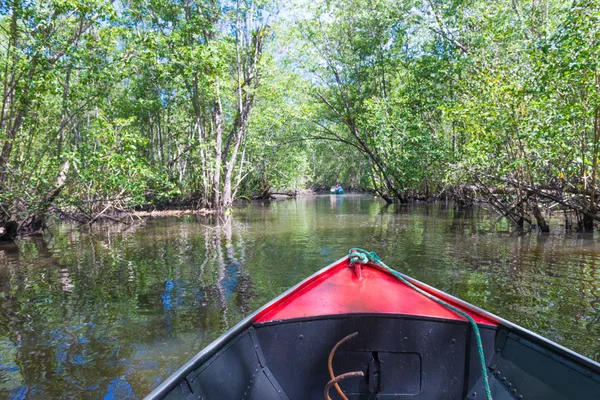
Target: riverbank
{"type": "Point", "coordinates": [121, 210]}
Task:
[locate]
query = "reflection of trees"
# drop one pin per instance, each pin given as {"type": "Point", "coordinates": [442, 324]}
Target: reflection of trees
{"type": "Point", "coordinates": [221, 271]}
{"type": "Point", "coordinates": [88, 308]}
{"type": "Point", "coordinates": [539, 281]}
{"type": "Point", "coordinates": [547, 283]}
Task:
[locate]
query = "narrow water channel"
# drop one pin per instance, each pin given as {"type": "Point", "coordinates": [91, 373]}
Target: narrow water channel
{"type": "Point", "coordinates": [110, 313]}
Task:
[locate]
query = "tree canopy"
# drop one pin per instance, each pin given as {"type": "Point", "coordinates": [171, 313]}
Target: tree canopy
{"type": "Point", "coordinates": [112, 105]}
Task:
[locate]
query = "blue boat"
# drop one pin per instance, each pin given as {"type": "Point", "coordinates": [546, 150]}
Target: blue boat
{"type": "Point", "coordinates": [337, 189]}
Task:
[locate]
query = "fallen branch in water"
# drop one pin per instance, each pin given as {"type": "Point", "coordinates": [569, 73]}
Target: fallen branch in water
{"type": "Point", "coordinates": [291, 194]}
{"type": "Point", "coordinates": [173, 213]}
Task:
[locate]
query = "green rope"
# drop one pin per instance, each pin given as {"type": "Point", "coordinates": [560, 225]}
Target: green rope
{"type": "Point", "coordinates": [362, 256]}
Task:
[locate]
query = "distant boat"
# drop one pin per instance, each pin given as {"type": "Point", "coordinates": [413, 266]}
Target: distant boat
{"type": "Point", "coordinates": [379, 334]}
{"type": "Point", "coordinates": [337, 190]}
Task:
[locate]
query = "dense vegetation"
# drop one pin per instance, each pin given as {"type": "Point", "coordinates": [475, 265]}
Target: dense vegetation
{"type": "Point", "coordinates": [107, 105]}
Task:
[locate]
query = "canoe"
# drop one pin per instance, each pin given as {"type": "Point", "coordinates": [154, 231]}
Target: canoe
{"type": "Point", "coordinates": [360, 330]}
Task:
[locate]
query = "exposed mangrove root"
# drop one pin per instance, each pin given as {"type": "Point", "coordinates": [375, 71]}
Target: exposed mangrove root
{"type": "Point", "coordinates": [34, 220]}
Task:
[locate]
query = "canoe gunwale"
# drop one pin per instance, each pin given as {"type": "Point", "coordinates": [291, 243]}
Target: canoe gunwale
{"type": "Point", "coordinates": [174, 379]}
{"type": "Point", "coordinates": [510, 325]}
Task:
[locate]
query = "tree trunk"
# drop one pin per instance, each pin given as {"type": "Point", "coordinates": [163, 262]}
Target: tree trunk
{"type": "Point", "coordinates": [9, 231]}
{"type": "Point", "coordinates": [387, 198]}
{"type": "Point", "coordinates": [247, 82]}
{"type": "Point", "coordinates": [227, 198]}
{"type": "Point", "coordinates": [586, 224]}
{"type": "Point", "coordinates": [588, 218]}
{"type": "Point", "coordinates": [539, 217]}
{"type": "Point", "coordinates": [216, 181]}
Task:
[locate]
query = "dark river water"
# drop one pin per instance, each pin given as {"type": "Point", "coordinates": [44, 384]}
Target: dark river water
{"type": "Point", "coordinates": [109, 313]}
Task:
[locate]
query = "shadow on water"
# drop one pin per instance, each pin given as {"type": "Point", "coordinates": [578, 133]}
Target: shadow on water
{"type": "Point", "coordinates": [110, 314]}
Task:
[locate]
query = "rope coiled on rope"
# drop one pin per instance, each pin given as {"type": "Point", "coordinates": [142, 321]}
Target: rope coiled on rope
{"type": "Point", "coordinates": [358, 255]}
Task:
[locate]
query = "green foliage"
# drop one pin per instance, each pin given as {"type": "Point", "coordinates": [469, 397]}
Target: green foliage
{"type": "Point", "coordinates": [156, 100]}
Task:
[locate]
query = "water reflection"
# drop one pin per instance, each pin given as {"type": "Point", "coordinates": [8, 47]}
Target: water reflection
{"type": "Point", "coordinates": [110, 314]}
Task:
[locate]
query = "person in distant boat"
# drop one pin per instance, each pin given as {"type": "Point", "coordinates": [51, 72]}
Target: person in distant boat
{"type": "Point", "coordinates": [337, 189]}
